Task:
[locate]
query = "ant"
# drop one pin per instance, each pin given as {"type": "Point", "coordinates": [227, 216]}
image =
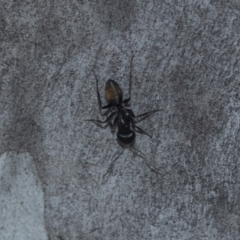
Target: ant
{"type": "Point", "coordinates": [123, 118]}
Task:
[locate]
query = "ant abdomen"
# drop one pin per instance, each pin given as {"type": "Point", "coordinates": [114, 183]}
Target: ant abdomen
{"type": "Point", "coordinates": [126, 138]}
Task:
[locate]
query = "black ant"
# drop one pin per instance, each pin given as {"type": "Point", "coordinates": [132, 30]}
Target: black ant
{"type": "Point", "coordinates": [124, 118]}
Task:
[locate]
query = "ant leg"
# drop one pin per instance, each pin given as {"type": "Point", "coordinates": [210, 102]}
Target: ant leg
{"type": "Point", "coordinates": [130, 82]}
{"type": "Point", "coordinates": [134, 125]}
{"type": "Point", "coordinates": [99, 99]}
{"type": "Point", "coordinates": [107, 106]}
{"type": "Point", "coordinates": [125, 101]}
{"type": "Point", "coordinates": [147, 114]}
{"type": "Point", "coordinates": [115, 158]}
{"type": "Point", "coordinates": [142, 155]}
{"type": "Point", "coordinates": [143, 115]}
{"type": "Point", "coordinates": [149, 164]}
{"type": "Point", "coordinates": [99, 121]}
{"type": "Point", "coordinates": [174, 165]}
{"type": "Point", "coordinates": [141, 131]}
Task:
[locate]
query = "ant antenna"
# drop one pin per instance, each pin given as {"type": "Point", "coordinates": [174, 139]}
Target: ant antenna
{"type": "Point", "coordinates": [130, 77]}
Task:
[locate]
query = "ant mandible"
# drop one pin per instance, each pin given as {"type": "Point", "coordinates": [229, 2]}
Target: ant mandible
{"type": "Point", "coordinates": [123, 118]}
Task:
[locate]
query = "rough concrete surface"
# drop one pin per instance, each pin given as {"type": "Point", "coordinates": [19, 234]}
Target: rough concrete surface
{"type": "Point", "coordinates": [186, 61]}
{"type": "Point", "coordinates": [21, 198]}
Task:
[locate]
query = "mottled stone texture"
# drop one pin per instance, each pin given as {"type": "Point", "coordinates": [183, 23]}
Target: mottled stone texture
{"type": "Point", "coordinates": [187, 56]}
{"type": "Point", "coordinates": [21, 198]}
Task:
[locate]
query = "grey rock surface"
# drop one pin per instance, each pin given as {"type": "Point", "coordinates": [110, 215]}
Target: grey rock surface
{"type": "Point", "coordinates": [187, 56]}
{"type": "Point", "coordinates": [21, 199]}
